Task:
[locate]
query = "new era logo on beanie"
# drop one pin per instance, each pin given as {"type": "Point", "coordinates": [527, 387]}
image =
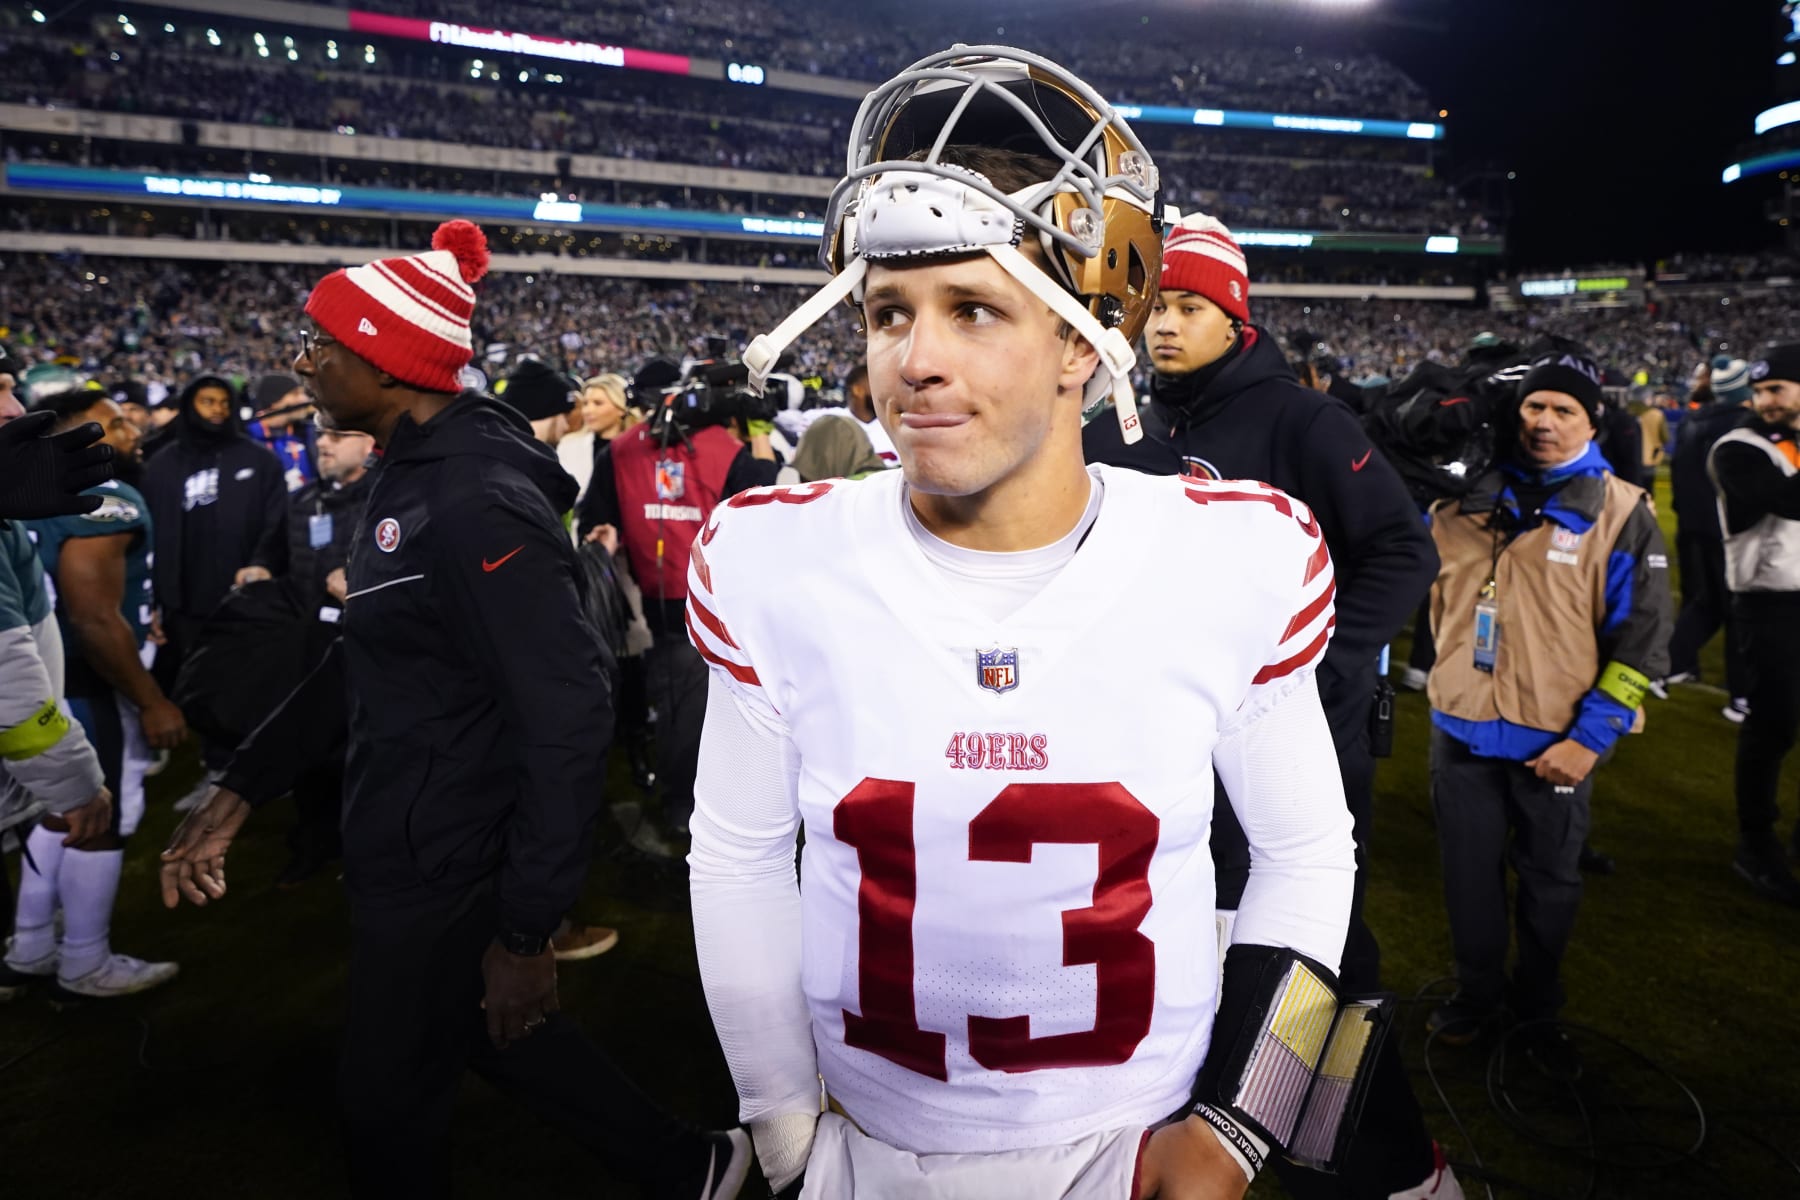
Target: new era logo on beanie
{"type": "Point", "coordinates": [423, 302]}
{"type": "Point", "coordinates": [1202, 257]}
{"type": "Point", "coordinates": [1778, 362]}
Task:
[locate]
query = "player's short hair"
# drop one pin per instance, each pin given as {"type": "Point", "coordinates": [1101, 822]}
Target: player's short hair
{"type": "Point", "coordinates": [858, 374]}
{"type": "Point", "coordinates": [72, 405]}
{"type": "Point", "coordinates": [1008, 170]}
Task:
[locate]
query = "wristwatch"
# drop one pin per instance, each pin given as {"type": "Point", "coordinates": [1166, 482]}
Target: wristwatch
{"type": "Point", "coordinates": [525, 945]}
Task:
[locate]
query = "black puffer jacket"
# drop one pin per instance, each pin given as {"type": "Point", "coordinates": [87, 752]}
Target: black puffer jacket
{"type": "Point", "coordinates": [479, 713]}
{"type": "Point", "coordinates": [1248, 417]}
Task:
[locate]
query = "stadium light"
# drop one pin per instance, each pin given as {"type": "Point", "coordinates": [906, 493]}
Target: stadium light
{"type": "Point", "coordinates": [369, 55]}
{"type": "Point", "coordinates": [262, 51]}
{"type": "Point", "coordinates": [293, 54]}
{"type": "Point", "coordinates": [168, 28]}
{"type": "Point", "coordinates": [331, 51]}
{"type": "Point", "coordinates": [37, 15]}
{"type": "Point", "coordinates": [124, 20]}
{"type": "Point", "coordinates": [212, 35]}
{"type": "Point", "coordinates": [524, 75]}
{"type": "Point", "coordinates": [261, 41]}
{"type": "Point", "coordinates": [130, 30]}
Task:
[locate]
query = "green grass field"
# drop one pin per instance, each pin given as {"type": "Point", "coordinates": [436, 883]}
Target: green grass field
{"type": "Point", "coordinates": [219, 1085]}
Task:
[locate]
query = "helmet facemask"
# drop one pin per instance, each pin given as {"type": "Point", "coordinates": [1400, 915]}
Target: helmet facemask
{"type": "Point", "coordinates": [1096, 218]}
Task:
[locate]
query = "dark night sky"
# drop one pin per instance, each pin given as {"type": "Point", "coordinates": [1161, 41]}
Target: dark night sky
{"type": "Point", "coordinates": [1617, 118]}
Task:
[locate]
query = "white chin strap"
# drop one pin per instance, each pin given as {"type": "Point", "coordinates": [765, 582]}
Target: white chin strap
{"type": "Point", "coordinates": [921, 216]}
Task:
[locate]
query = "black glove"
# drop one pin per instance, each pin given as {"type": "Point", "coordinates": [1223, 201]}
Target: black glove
{"type": "Point", "coordinates": [43, 476]}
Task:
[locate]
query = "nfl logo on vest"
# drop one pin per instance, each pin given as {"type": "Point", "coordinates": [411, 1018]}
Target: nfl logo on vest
{"type": "Point", "coordinates": [997, 670]}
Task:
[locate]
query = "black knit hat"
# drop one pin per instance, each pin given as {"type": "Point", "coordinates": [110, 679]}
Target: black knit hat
{"type": "Point", "coordinates": [538, 390]}
{"type": "Point", "coordinates": [11, 363]}
{"type": "Point", "coordinates": [1777, 362]}
{"type": "Point", "coordinates": [1570, 374]}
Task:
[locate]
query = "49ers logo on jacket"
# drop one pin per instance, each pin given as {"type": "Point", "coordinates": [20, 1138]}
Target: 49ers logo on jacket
{"type": "Point", "coordinates": [1199, 468]}
{"type": "Point", "coordinates": [387, 535]}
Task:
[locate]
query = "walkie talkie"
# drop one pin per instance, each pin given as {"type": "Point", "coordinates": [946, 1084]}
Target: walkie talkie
{"type": "Point", "coordinates": [1381, 716]}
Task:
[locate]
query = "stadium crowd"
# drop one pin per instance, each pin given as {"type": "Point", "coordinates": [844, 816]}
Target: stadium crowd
{"type": "Point", "coordinates": [159, 321]}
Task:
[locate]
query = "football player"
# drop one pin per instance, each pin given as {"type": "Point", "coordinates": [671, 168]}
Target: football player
{"type": "Point", "coordinates": [1000, 977]}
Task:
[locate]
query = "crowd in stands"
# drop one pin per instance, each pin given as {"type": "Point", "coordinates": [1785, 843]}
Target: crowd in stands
{"type": "Point", "coordinates": [164, 320]}
{"type": "Point", "coordinates": [1389, 338]}
{"type": "Point", "coordinates": [845, 43]}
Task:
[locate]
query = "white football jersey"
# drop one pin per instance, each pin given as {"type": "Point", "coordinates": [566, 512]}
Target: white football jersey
{"type": "Point", "coordinates": [1007, 889]}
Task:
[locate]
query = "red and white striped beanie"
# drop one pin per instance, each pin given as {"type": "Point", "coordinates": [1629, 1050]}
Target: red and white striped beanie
{"type": "Point", "coordinates": [409, 316]}
{"type": "Point", "coordinates": [1201, 256]}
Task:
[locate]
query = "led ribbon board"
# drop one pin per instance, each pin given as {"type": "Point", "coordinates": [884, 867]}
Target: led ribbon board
{"type": "Point", "coordinates": [1225, 118]}
{"type": "Point", "coordinates": [549, 208]}
{"type": "Point", "coordinates": [531, 45]}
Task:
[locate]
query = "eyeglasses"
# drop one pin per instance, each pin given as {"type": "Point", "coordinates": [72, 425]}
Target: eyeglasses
{"type": "Point", "coordinates": [311, 343]}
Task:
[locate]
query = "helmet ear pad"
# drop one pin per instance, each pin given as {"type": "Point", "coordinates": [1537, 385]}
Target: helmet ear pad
{"type": "Point", "coordinates": [1119, 282]}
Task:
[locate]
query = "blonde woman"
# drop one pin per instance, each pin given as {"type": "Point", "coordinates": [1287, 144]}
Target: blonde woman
{"type": "Point", "coordinates": [604, 414]}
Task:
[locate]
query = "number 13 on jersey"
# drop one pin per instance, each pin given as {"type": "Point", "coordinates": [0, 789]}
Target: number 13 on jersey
{"type": "Point", "coordinates": [876, 820]}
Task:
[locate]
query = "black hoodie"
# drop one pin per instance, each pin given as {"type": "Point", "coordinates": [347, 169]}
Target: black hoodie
{"type": "Point", "coordinates": [1248, 417]}
{"type": "Point", "coordinates": [478, 707]}
{"type": "Point", "coordinates": [219, 502]}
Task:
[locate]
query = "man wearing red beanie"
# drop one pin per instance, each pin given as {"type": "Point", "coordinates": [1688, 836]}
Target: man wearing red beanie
{"type": "Point", "coordinates": [1226, 405]}
{"type": "Point", "coordinates": [478, 722]}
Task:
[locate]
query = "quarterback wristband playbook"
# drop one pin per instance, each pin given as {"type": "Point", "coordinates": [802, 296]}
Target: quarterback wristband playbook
{"type": "Point", "coordinates": [1288, 1066]}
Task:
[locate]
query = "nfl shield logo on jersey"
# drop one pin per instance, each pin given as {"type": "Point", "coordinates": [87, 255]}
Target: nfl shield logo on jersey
{"type": "Point", "coordinates": [997, 670]}
{"type": "Point", "coordinates": [671, 479]}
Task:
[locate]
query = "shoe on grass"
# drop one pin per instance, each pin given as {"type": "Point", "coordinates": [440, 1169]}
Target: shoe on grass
{"type": "Point", "coordinates": [1460, 1021]}
{"type": "Point", "coordinates": [118, 975]}
{"type": "Point", "coordinates": [1761, 862]}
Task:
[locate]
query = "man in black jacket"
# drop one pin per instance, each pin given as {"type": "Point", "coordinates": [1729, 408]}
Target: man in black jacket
{"type": "Point", "coordinates": [478, 728]}
{"type": "Point", "coordinates": [323, 517]}
{"type": "Point", "coordinates": [219, 503]}
{"type": "Point", "coordinates": [1700, 543]}
{"type": "Point", "coordinates": [1226, 405]}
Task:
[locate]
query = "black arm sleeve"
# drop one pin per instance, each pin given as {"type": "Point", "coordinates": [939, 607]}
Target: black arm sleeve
{"type": "Point", "coordinates": [1753, 485]}
{"type": "Point", "coordinates": [1382, 552]}
{"type": "Point", "coordinates": [748, 471]}
{"type": "Point", "coordinates": [309, 727]}
{"type": "Point", "coordinates": [272, 539]}
{"type": "Point", "coordinates": [600, 503]}
{"type": "Point", "coordinates": [524, 627]}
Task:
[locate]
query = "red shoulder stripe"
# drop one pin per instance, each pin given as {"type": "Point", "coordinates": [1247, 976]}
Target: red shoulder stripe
{"type": "Point", "coordinates": [1288, 666]}
{"type": "Point", "coordinates": [1321, 558]}
{"type": "Point", "coordinates": [1305, 616]}
{"type": "Point", "coordinates": [740, 673]}
{"type": "Point", "coordinates": [711, 622]}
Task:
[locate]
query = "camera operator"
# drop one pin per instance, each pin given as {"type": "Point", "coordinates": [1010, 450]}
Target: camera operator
{"type": "Point", "coordinates": [1552, 615]}
{"type": "Point", "coordinates": [1754, 469]}
{"type": "Point", "coordinates": [653, 489]}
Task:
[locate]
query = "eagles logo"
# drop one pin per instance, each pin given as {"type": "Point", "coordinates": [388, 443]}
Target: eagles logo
{"type": "Point", "coordinates": [114, 509]}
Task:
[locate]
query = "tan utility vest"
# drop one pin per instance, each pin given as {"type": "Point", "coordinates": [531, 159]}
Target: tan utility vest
{"type": "Point", "coordinates": [1550, 585]}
